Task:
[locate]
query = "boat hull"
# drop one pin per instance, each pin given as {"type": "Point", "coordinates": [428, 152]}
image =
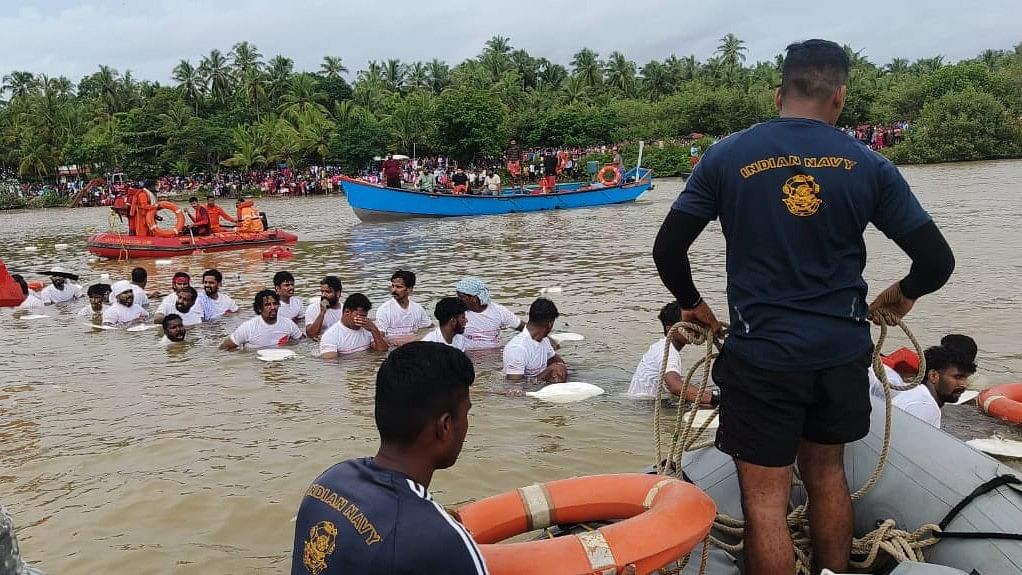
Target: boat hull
{"type": "Point", "coordinates": [372, 203]}
{"type": "Point", "coordinates": [114, 245]}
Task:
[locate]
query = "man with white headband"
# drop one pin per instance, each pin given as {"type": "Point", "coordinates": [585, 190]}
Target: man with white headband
{"type": "Point", "coordinates": [485, 318]}
{"type": "Point", "coordinates": [125, 311]}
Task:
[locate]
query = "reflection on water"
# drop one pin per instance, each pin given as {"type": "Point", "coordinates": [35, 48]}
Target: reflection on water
{"type": "Point", "coordinates": [118, 455]}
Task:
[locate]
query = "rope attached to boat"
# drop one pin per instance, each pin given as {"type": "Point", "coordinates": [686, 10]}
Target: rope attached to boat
{"type": "Point", "coordinates": [875, 547]}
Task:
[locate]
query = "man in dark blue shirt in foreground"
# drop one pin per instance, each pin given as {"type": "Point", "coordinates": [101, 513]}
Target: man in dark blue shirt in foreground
{"type": "Point", "coordinates": [374, 516]}
{"type": "Point", "coordinates": [794, 196]}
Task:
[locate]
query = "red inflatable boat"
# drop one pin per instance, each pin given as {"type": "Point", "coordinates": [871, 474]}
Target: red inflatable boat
{"type": "Point", "coordinates": [115, 245]}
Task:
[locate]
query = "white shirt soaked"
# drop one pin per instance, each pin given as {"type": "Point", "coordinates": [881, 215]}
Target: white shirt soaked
{"type": "Point", "coordinates": [394, 320]}
{"type": "Point", "coordinates": [192, 317]}
{"type": "Point", "coordinates": [647, 373]}
{"type": "Point", "coordinates": [31, 301]}
{"type": "Point", "coordinates": [458, 341]}
{"type": "Point", "coordinates": [50, 294]}
{"type": "Point", "coordinates": [118, 314]}
{"type": "Point", "coordinates": [293, 309]}
{"type": "Point", "coordinates": [919, 402]}
{"type": "Point", "coordinates": [876, 388]}
{"type": "Point", "coordinates": [341, 339]}
{"type": "Point", "coordinates": [483, 329]}
{"type": "Point", "coordinates": [215, 308]}
{"type": "Point", "coordinates": [256, 333]}
{"type": "Point", "coordinates": [526, 356]}
{"type": "Point", "coordinates": [140, 297]}
{"type": "Point", "coordinates": [87, 313]}
{"type": "Point", "coordinates": [331, 317]}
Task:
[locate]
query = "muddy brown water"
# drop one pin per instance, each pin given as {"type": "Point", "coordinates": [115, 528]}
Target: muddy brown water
{"type": "Point", "coordinates": [119, 456]}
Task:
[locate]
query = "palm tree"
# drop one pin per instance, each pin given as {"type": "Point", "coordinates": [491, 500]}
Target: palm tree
{"type": "Point", "coordinates": [418, 76]}
{"type": "Point", "coordinates": [109, 93]}
{"type": "Point", "coordinates": [279, 71]}
{"type": "Point", "coordinates": [439, 75]}
{"type": "Point", "coordinates": [344, 113]}
{"type": "Point", "coordinates": [494, 65]}
{"type": "Point", "coordinates": [527, 68]}
{"type": "Point", "coordinates": [897, 67]}
{"type": "Point", "coordinates": [332, 67]}
{"type": "Point", "coordinates": [498, 45]}
{"type": "Point", "coordinates": [621, 73]}
{"type": "Point", "coordinates": [303, 95]}
{"type": "Point", "coordinates": [394, 74]}
{"type": "Point", "coordinates": [246, 59]}
{"type": "Point", "coordinates": [316, 131]}
{"type": "Point", "coordinates": [19, 84]}
{"type": "Point", "coordinates": [992, 58]}
{"type": "Point", "coordinates": [574, 89]}
{"type": "Point", "coordinates": [551, 75]}
{"type": "Point", "coordinates": [927, 65]}
{"type": "Point", "coordinates": [247, 153]}
{"type": "Point", "coordinates": [189, 81]}
{"type": "Point", "coordinates": [732, 52]}
{"type": "Point", "coordinates": [253, 89]}
{"type": "Point", "coordinates": [655, 80]}
{"type": "Point", "coordinates": [587, 67]}
{"type": "Point", "coordinates": [217, 73]}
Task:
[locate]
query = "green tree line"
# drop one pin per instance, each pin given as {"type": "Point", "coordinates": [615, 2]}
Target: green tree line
{"type": "Point", "coordinates": [242, 110]}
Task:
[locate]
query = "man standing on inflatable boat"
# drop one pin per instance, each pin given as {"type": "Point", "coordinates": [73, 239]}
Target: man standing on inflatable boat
{"type": "Point", "coordinates": [794, 196]}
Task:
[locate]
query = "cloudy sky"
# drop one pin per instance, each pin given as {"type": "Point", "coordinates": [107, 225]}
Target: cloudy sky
{"type": "Point", "coordinates": [72, 37]}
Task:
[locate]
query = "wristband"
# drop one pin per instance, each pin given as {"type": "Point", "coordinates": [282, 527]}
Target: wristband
{"type": "Point", "coordinates": [714, 398]}
{"type": "Point", "coordinates": [697, 303]}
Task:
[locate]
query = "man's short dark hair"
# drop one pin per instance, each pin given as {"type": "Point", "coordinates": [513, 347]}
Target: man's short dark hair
{"type": "Point", "coordinates": [417, 383]}
{"type": "Point", "coordinates": [333, 282]}
{"type": "Point", "coordinates": [259, 301]}
{"type": "Point", "coordinates": [357, 301]}
{"type": "Point", "coordinates": [814, 69]}
{"type": "Point", "coordinates": [191, 290]}
{"type": "Point", "coordinates": [405, 276]}
{"type": "Point", "coordinates": [193, 199]}
{"type": "Point", "coordinates": [542, 310]}
{"type": "Point", "coordinates": [961, 344]}
{"type": "Point", "coordinates": [670, 314]}
{"type": "Point", "coordinates": [448, 308]}
{"type": "Point", "coordinates": [98, 290]}
{"type": "Point", "coordinates": [215, 273]}
{"type": "Point", "coordinates": [21, 282]}
{"type": "Point", "coordinates": [281, 277]}
{"type": "Point", "coordinates": [178, 275]}
{"type": "Point", "coordinates": [139, 275]}
{"type": "Point", "coordinates": [939, 357]}
{"type": "Point", "coordinates": [169, 318]}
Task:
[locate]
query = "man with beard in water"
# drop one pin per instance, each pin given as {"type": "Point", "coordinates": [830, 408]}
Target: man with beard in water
{"type": "Point", "coordinates": [125, 310]}
{"type": "Point", "coordinates": [173, 329]}
{"type": "Point", "coordinates": [320, 316]}
{"type": "Point", "coordinates": [291, 306]}
{"type": "Point", "coordinates": [183, 306]}
{"type": "Point", "coordinates": [400, 317]}
{"type": "Point", "coordinates": [213, 302]}
{"type": "Point", "coordinates": [948, 367]}
{"type": "Point", "coordinates": [266, 329]}
{"type": "Point", "coordinates": [59, 290]}
{"type": "Point", "coordinates": [97, 303]}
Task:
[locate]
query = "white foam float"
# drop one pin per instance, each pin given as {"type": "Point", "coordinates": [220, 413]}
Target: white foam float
{"type": "Point", "coordinates": [967, 396]}
{"type": "Point", "coordinates": [60, 246]}
{"type": "Point", "coordinates": [701, 416]}
{"type": "Point", "coordinates": [33, 316]}
{"type": "Point", "coordinates": [275, 354]}
{"type": "Point", "coordinates": [998, 446]}
{"type": "Point", "coordinates": [566, 336]}
{"type": "Point", "coordinates": [142, 327]}
{"type": "Point", "coordinates": [98, 326]}
{"type": "Point", "coordinates": [31, 249]}
{"type": "Point", "coordinates": [551, 289]}
{"type": "Point", "coordinates": [164, 262]}
{"type": "Point", "coordinates": [567, 392]}
{"type": "Point", "coordinates": [104, 276]}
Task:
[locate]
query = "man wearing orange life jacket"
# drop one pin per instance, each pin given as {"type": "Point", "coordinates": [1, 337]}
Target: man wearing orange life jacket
{"type": "Point", "coordinates": [215, 214]}
{"type": "Point", "coordinates": [248, 218]}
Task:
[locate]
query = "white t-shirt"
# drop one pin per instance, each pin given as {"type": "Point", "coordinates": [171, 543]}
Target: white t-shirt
{"type": "Point", "coordinates": [215, 308]}
{"type": "Point", "coordinates": [919, 402]}
{"type": "Point", "coordinates": [458, 341]}
{"type": "Point", "coordinates": [339, 338]}
{"type": "Point", "coordinates": [117, 314]}
{"type": "Point", "coordinates": [331, 317]}
{"type": "Point", "coordinates": [193, 317]}
{"type": "Point", "coordinates": [51, 294]}
{"type": "Point", "coordinates": [293, 310]}
{"type": "Point", "coordinates": [256, 333]}
{"type": "Point", "coordinates": [876, 388]}
{"type": "Point", "coordinates": [140, 297]}
{"type": "Point", "coordinates": [492, 183]}
{"type": "Point", "coordinates": [647, 373]}
{"type": "Point", "coordinates": [393, 320]}
{"type": "Point", "coordinates": [483, 329]}
{"type": "Point", "coordinates": [169, 299]}
{"type": "Point", "coordinates": [87, 313]}
{"type": "Point", "coordinates": [31, 300]}
{"type": "Point", "coordinates": [526, 356]}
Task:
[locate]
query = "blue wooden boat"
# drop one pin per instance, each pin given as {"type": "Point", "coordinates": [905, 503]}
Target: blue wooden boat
{"type": "Point", "coordinates": [372, 202]}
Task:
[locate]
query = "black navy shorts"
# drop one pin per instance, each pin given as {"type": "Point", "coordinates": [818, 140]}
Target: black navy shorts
{"type": "Point", "coordinates": [764, 414]}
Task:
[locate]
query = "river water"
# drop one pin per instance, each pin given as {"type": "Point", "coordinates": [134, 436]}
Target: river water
{"type": "Point", "coordinates": [119, 456]}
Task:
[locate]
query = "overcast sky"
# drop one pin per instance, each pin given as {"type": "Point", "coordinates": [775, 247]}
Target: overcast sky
{"type": "Point", "coordinates": [149, 37]}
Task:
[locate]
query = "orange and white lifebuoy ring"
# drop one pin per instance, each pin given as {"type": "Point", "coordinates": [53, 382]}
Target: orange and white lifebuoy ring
{"type": "Point", "coordinates": [1002, 401]}
{"type": "Point", "coordinates": [179, 225]}
{"type": "Point", "coordinates": [611, 169]}
{"type": "Point", "coordinates": [664, 518]}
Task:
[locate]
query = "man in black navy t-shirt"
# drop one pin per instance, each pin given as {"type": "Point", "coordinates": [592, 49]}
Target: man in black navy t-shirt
{"type": "Point", "coordinates": [794, 196]}
{"type": "Point", "coordinates": [374, 516]}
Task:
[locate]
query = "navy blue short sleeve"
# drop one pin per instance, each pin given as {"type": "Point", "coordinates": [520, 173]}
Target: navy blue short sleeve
{"type": "Point", "coordinates": [699, 198]}
{"type": "Point", "coordinates": [897, 210]}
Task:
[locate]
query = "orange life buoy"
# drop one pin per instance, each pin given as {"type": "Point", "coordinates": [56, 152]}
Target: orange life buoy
{"type": "Point", "coordinates": [279, 252]}
{"type": "Point", "coordinates": [179, 225]}
{"type": "Point", "coordinates": [902, 359]}
{"type": "Point", "coordinates": [601, 176]}
{"type": "Point", "coordinates": [677, 513]}
{"type": "Point", "coordinates": [35, 285]}
{"type": "Point", "coordinates": [1002, 401]}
